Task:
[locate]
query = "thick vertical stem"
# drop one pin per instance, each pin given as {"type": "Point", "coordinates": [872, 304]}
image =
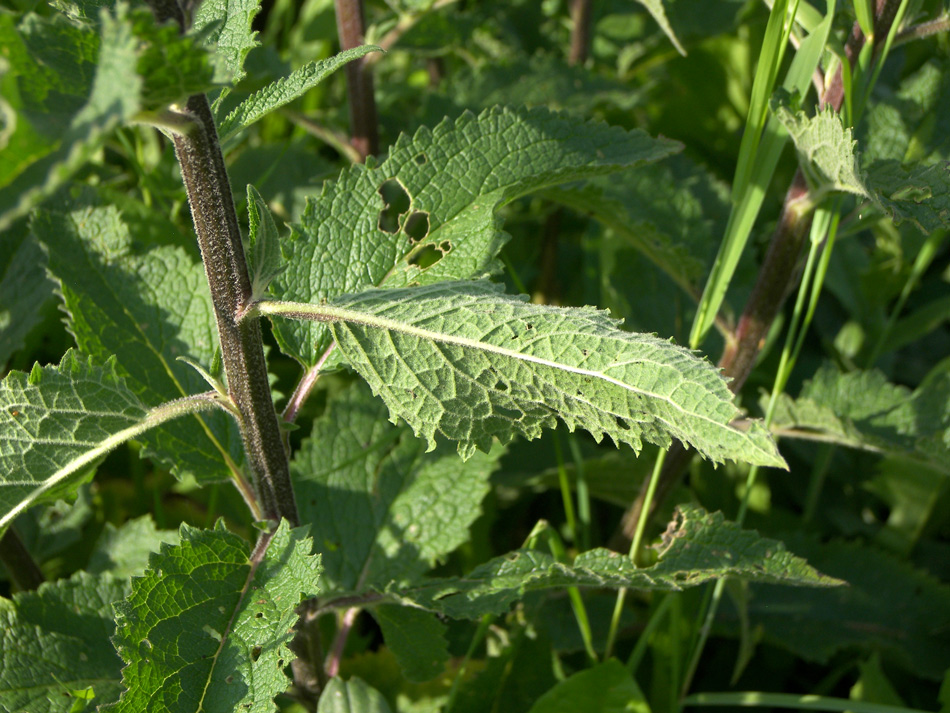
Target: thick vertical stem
{"type": "Point", "coordinates": [364, 127]}
{"type": "Point", "coordinates": [212, 208]}
{"type": "Point", "coordinates": [580, 34]}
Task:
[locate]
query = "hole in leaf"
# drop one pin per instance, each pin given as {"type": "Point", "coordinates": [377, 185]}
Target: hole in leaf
{"type": "Point", "coordinates": [417, 226]}
{"type": "Point", "coordinates": [446, 247]}
{"type": "Point", "coordinates": [255, 653]}
{"type": "Point", "coordinates": [421, 159]}
{"type": "Point", "coordinates": [396, 202]}
{"type": "Point", "coordinates": [426, 257]}
{"type": "Point", "coordinates": [622, 424]}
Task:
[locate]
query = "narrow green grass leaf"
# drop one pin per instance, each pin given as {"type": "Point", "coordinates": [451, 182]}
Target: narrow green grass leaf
{"type": "Point", "coordinates": [351, 696]}
{"type": "Point", "coordinates": [445, 186]}
{"type": "Point", "coordinates": [57, 640]}
{"type": "Point", "coordinates": [607, 687]}
{"type": "Point", "coordinates": [380, 509]}
{"type": "Point", "coordinates": [760, 166]}
{"type": "Point", "coordinates": [208, 628]}
{"type": "Point", "coordinates": [472, 364]}
{"type": "Point", "coordinates": [59, 422]}
{"type": "Point", "coordinates": [696, 548]}
{"type": "Point", "coordinates": [416, 638]}
{"type": "Point", "coordinates": [655, 8]}
{"type": "Point", "coordinates": [284, 90]}
{"type": "Point", "coordinates": [146, 310]}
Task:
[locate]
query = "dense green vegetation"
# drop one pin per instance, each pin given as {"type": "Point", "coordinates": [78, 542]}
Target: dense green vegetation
{"type": "Point", "coordinates": [305, 405]}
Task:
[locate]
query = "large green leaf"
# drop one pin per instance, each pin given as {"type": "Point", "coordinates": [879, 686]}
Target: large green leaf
{"type": "Point", "coordinates": [863, 410]}
{"type": "Point", "coordinates": [56, 644]}
{"type": "Point", "coordinates": [146, 310]}
{"type": "Point", "coordinates": [59, 422]}
{"type": "Point", "coordinates": [696, 548]}
{"type": "Point", "coordinates": [70, 79]}
{"type": "Point", "coordinates": [380, 509]}
{"type": "Point", "coordinates": [464, 360]}
{"type": "Point", "coordinates": [451, 179]}
{"type": "Point", "coordinates": [208, 626]}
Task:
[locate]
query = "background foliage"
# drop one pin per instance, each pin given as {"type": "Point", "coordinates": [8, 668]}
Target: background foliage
{"type": "Point", "coordinates": [483, 584]}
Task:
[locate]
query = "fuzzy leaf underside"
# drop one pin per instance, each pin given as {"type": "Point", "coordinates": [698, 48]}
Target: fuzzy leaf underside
{"type": "Point", "coordinates": [825, 148]}
{"type": "Point", "coordinates": [696, 548]}
{"type": "Point", "coordinates": [380, 509]}
{"type": "Point", "coordinates": [71, 79]}
{"type": "Point", "coordinates": [57, 640]}
{"type": "Point", "coordinates": [146, 310]}
{"type": "Point", "coordinates": [920, 195]}
{"type": "Point", "coordinates": [50, 420]}
{"type": "Point", "coordinates": [465, 361]}
{"type": "Point", "coordinates": [455, 177]}
{"type": "Point", "coordinates": [284, 90]}
{"type": "Point", "coordinates": [206, 629]}
{"type": "Point", "coordinates": [863, 410]}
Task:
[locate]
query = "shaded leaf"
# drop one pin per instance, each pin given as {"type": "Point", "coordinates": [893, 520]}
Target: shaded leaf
{"type": "Point", "coordinates": [863, 410]}
{"type": "Point", "coordinates": [208, 624]}
{"type": "Point", "coordinates": [607, 687]}
{"type": "Point", "coordinates": [24, 293]}
{"type": "Point", "coordinates": [147, 310]}
{"type": "Point", "coordinates": [445, 186]}
{"type": "Point", "coordinates": [380, 509]}
{"type": "Point", "coordinates": [124, 551]}
{"type": "Point", "coordinates": [57, 640]}
{"type": "Point", "coordinates": [888, 607]}
{"type": "Point", "coordinates": [416, 638]}
{"type": "Point", "coordinates": [353, 696]}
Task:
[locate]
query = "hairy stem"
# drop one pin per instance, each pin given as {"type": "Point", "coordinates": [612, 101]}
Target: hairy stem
{"type": "Point", "coordinates": [212, 208]}
{"type": "Point", "coordinates": [364, 128]}
{"type": "Point", "coordinates": [19, 563]}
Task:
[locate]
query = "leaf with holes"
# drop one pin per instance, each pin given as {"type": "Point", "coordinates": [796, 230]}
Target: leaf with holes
{"type": "Point", "coordinates": [214, 620]}
{"type": "Point", "coordinates": [427, 213]}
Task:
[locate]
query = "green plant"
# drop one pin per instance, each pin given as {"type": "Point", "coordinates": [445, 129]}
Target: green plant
{"type": "Point", "coordinates": [406, 375]}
